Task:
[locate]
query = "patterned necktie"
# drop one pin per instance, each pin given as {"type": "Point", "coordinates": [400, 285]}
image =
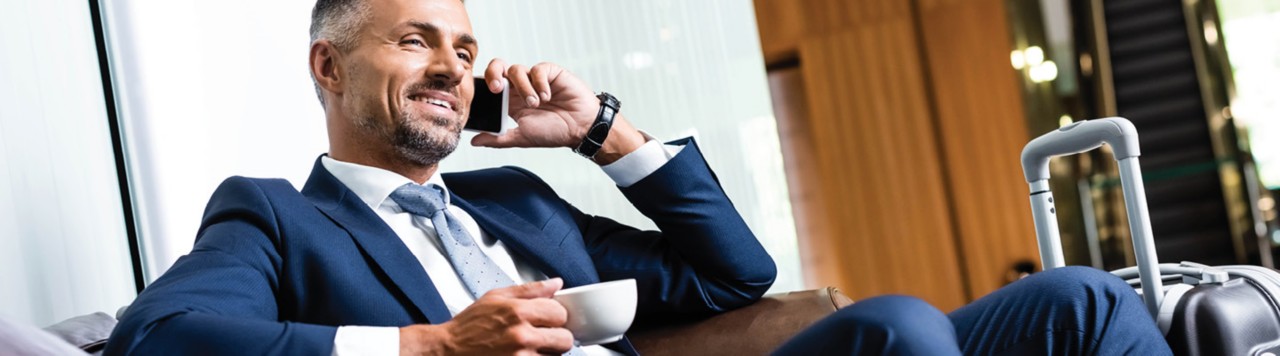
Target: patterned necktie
{"type": "Point", "coordinates": [476, 270]}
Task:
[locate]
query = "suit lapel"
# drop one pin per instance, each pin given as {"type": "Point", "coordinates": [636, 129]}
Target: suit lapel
{"type": "Point", "coordinates": [377, 240]}
{"type": "Point", "coordinates": [530, 242]}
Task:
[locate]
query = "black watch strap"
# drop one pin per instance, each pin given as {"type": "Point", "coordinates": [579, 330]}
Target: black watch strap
{"type": "Point", "coordinates": [599, 131]}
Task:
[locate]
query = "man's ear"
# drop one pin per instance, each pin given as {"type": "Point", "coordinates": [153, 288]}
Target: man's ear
{"type": "Point", "coordinates": [325, 66]}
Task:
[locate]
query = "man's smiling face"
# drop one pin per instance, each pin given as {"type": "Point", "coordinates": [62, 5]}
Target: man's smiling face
{"type": "Point", "coordinates": [408, 76]}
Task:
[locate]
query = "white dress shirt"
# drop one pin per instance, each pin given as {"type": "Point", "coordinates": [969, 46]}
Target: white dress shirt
{"type": "Point", "coordinates": [374, 186]}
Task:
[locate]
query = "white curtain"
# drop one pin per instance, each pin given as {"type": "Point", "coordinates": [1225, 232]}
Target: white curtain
{"type": "Point", "coordinates": [63, 250]}
{"type": "Point", "coordinates": [219, 88]}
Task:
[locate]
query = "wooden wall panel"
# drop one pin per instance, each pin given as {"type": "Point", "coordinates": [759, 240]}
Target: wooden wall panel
{"type": "Point", "coordinates": [878, 163]}
{"type": "Point", "coordinates": [910, 131]}
{"type": "Point", "coordinates": [982, 127]}
{"type": "Point", "coordinates": [781, 28]}
{"type": "Point", "coordinates": [795, 133]}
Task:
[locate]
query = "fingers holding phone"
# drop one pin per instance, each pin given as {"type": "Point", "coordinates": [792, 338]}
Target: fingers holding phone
{"type": "Point", "coordinates": [551, 106]}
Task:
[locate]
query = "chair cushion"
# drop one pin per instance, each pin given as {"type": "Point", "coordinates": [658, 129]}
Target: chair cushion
{"type": "Point", "coordinates": [88, 332]}
{"type": "Point", "coordinates": [21, 339]}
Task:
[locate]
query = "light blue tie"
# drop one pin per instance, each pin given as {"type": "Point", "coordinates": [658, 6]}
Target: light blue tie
{"type": "Point", "coordinates": [476, 270]}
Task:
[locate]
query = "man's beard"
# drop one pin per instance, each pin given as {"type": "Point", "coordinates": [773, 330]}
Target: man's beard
{"type": "Point", "coordinates": [418, 138]}
{"type": "Point", "coordinates": [422, 141]}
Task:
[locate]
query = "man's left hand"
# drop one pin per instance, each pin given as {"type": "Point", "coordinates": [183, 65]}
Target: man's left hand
{"type": "Point", "coordinates": [554, 109]}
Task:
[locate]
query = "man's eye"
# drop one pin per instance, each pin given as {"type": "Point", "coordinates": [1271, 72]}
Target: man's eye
{"type": "Point", "coordinates": [413, 42]}
{"type": "Point", "coordinates": [464, 56]}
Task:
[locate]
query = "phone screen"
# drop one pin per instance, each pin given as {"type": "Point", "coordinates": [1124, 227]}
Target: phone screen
{"type": "Point", "coordinates": [486, 109]}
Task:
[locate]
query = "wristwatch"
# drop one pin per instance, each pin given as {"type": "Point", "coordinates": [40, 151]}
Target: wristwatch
{"type": "Point", "coordinates": [609, 106]}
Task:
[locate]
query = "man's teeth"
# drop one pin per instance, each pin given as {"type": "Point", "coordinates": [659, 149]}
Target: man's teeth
{"type": "Point", "coordinates": [440, 103]}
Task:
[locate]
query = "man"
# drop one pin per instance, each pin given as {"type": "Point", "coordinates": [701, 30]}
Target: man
{"type": "Point", "coordinates": [380, 253]}
{"type": "Point", "coordinates": [278, 271]}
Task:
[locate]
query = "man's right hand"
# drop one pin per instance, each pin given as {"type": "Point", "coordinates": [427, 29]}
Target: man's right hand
{"type": "Point", "coordinates": [517, 320]}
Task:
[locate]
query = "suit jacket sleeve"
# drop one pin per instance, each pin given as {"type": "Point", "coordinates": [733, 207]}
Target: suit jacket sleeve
{"type": "Point", "coordinates": [703, 260]}
{"type": "Point", "coordinates": [219, 299]}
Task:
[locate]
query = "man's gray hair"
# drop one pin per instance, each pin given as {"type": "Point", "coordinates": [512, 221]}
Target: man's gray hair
{"type": "Point", "coordinates": [338, 21]}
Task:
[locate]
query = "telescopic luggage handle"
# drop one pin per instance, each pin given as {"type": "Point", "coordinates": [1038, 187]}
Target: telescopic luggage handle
{"type": "Point", "coordinates": [1083, 136]}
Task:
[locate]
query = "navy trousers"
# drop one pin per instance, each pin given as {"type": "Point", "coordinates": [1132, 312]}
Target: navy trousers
{"type": "Point", "coordinates": [1065, 311]}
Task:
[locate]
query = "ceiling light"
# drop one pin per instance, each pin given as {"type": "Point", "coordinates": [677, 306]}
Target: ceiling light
{"type": "Point", "coordinates": [1034, 55]}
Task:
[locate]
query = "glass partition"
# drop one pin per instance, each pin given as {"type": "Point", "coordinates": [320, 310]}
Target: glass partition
{"type": "Point", "coordinates": [681, 68]}
{"type": "Point", "coordinates": [63, 247]}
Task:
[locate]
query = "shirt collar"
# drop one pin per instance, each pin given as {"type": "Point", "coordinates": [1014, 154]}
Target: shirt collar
{"type": "Point", "coordinates": [372, 184]}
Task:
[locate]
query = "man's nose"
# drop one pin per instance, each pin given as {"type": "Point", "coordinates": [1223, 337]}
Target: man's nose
{"type": "Point", "coordinates": [446, 67]}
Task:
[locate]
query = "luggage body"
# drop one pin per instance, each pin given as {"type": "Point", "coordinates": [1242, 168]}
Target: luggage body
{"type": "Point", "coordinates": [1202, 310]}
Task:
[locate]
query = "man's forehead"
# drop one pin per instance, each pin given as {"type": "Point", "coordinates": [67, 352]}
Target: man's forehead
{"type": "Point", "coordinates": [446, 15]}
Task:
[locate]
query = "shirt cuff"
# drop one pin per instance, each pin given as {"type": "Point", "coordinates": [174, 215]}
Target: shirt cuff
{"type": "Point", "coordinates": [638, 164]}
{"type": "Point", "coordinates": [367, 341]}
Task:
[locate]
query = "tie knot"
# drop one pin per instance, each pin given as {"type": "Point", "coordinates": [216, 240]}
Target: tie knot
{"type": "Point", "coordinates": [420, 200]}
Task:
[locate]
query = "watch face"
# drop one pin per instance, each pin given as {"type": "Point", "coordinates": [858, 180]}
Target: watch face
{"type": "Point", "coordinates": [609, 100]}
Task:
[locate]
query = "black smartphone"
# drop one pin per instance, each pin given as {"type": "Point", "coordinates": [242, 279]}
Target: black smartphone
{"type": "Point", "coordinates": [489, 110]}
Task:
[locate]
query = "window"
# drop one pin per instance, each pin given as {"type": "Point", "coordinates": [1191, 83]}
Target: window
{"type": "Point", "coordinates": [1250, 31]}
{"type": "Point", "coordinates": [63, 247]}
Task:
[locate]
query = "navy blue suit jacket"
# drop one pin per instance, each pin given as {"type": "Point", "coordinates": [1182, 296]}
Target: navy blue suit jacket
{"type": "Point", "coordinates": [275, 271]}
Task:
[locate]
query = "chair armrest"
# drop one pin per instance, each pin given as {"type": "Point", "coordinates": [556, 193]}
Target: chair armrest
{"type": "Point", "coordinates": [756, 329]}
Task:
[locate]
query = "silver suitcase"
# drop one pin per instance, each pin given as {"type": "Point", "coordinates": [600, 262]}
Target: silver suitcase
{"type": "Point", "coordinates": [1203, 310]}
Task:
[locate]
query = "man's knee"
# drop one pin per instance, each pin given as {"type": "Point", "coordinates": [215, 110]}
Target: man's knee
{"type": "Point", "coordinates": [893, 313]}
{"type": "Point", "coordinates": [1081, 278]}
{"type": "Point", "coordinates": [1074, 285]}
{"type": "Point", "coordinates": [881, 325]}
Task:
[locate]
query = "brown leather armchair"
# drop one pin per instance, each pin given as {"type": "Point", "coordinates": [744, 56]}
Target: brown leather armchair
{"type": "Point", "coordinates": [756, 329]}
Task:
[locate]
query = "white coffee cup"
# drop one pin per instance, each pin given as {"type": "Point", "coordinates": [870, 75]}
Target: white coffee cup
{"type": "Point", "coordinates": [599, 313]}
